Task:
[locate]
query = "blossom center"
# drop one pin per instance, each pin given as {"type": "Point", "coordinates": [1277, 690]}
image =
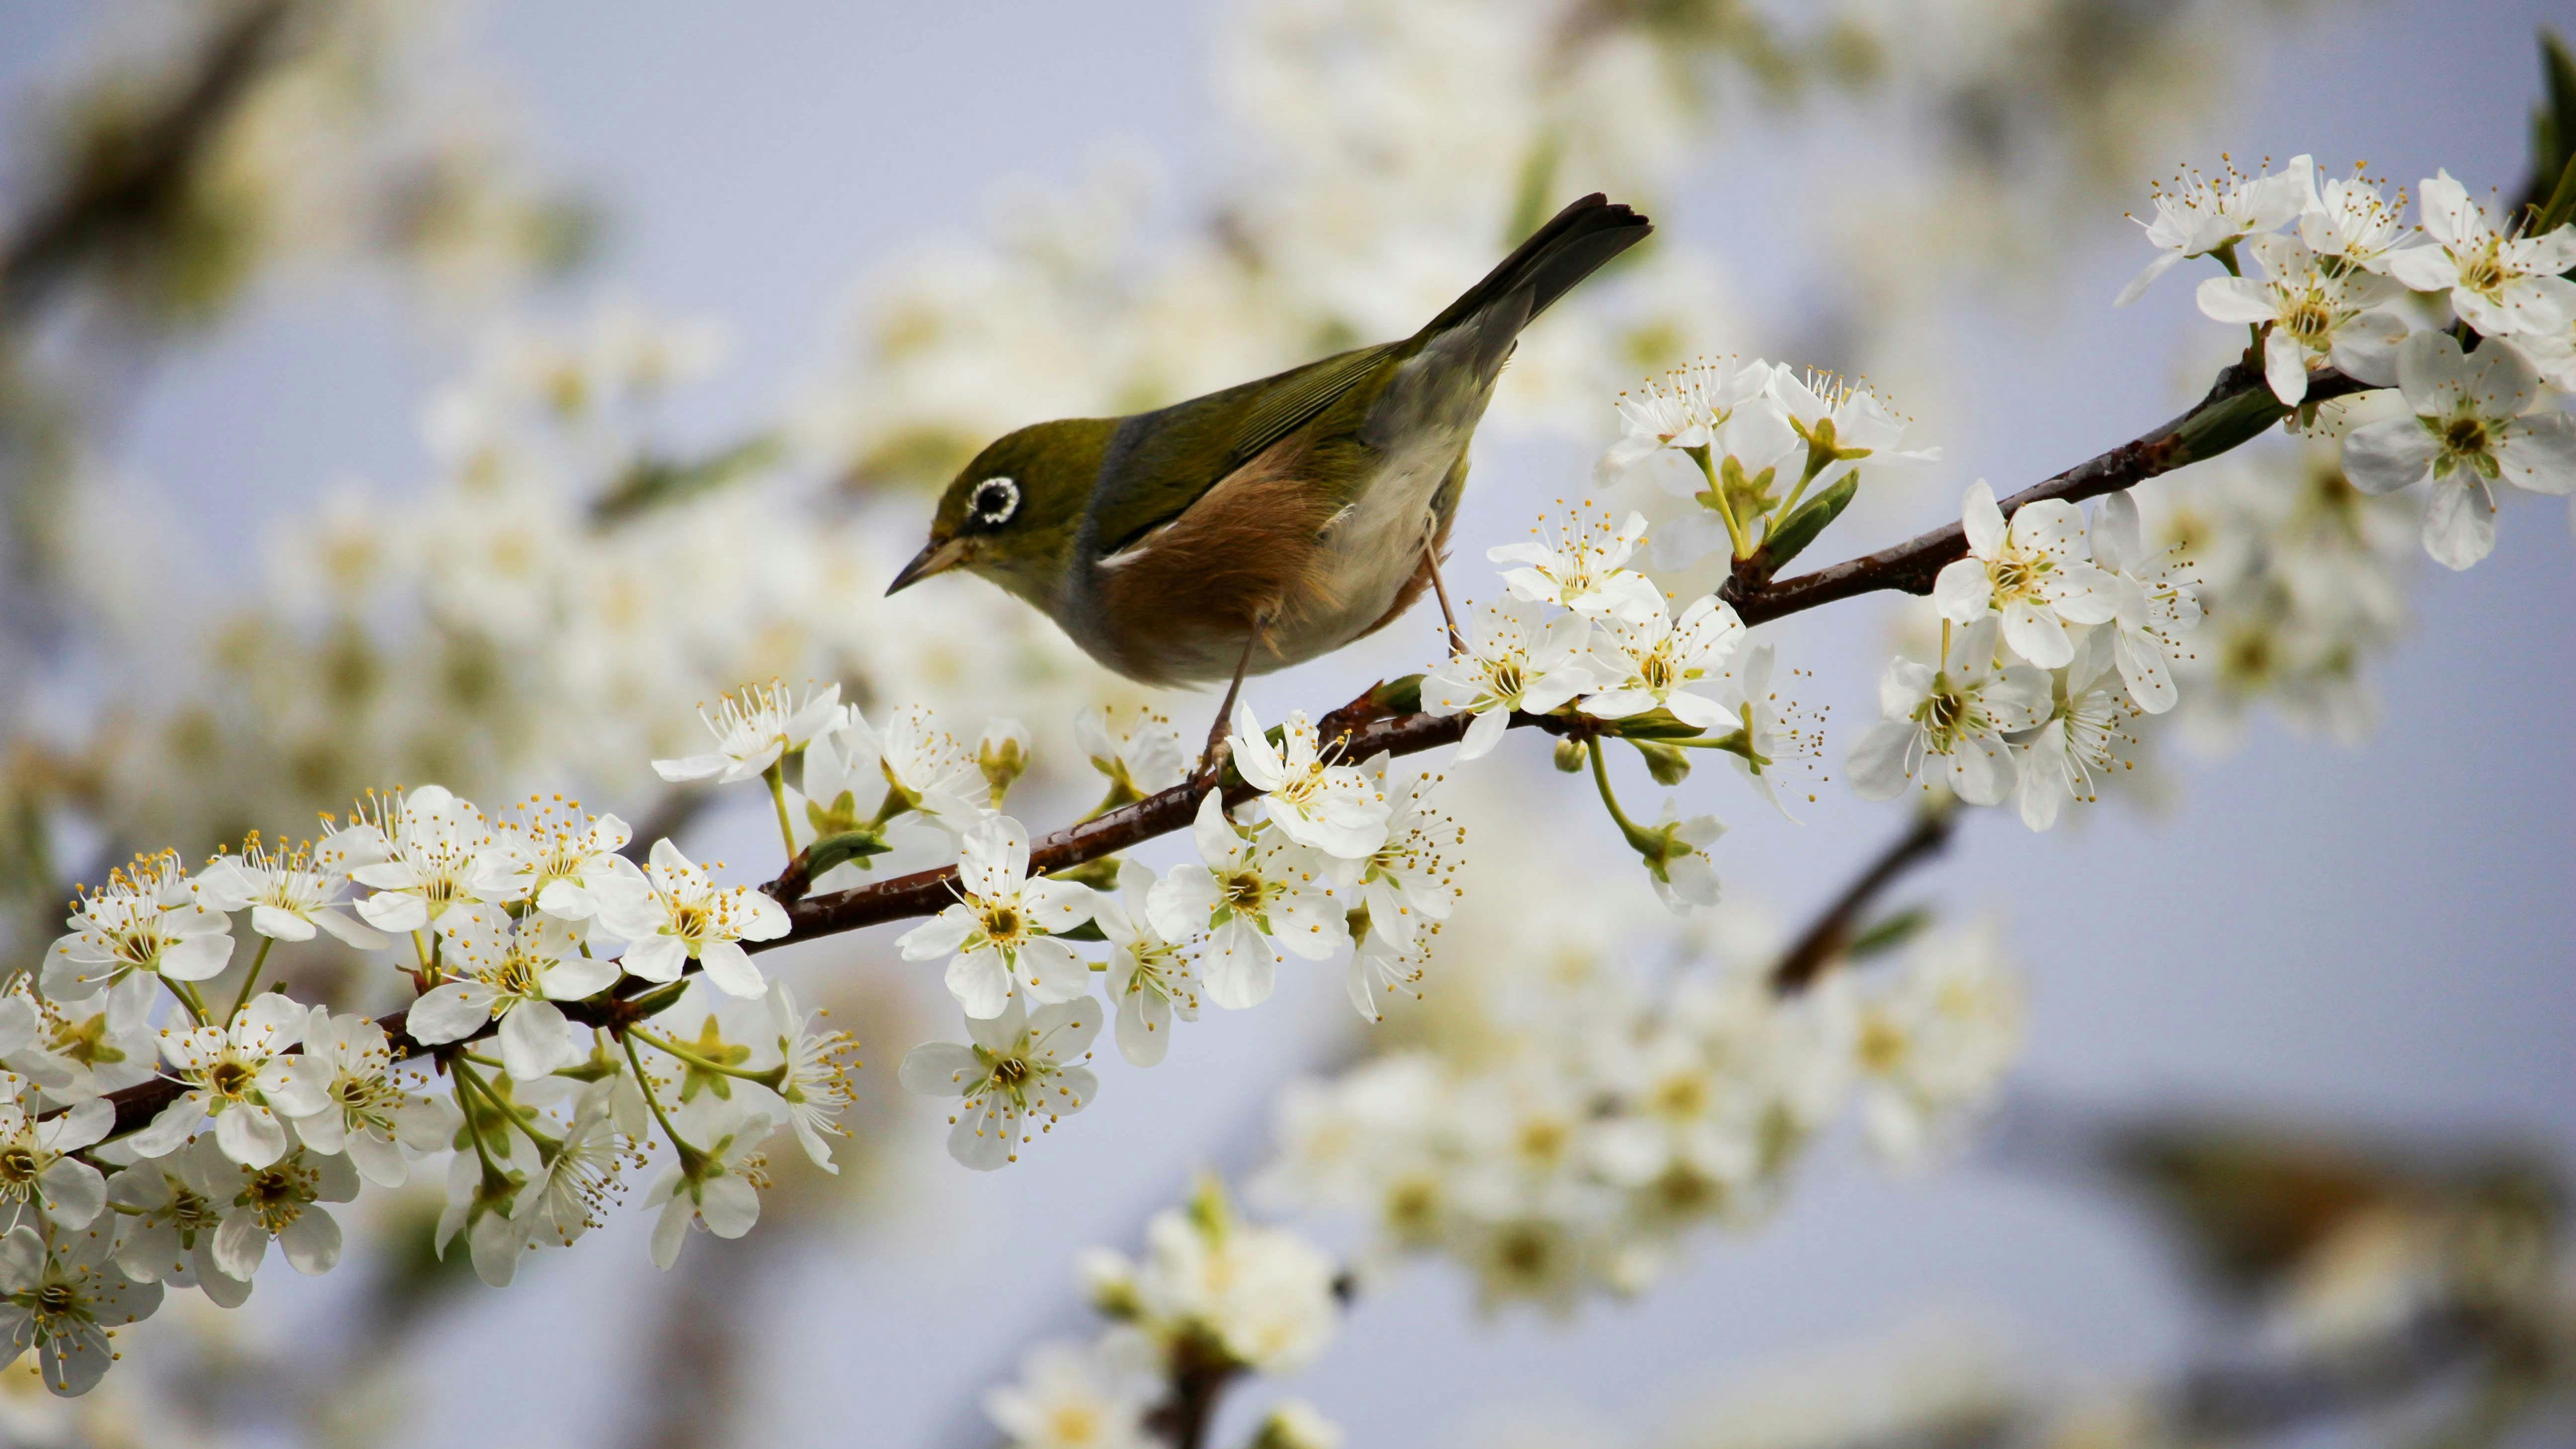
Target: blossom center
{"type": "Point", "coordinates": [1003, 923]}
{"type": "Point", "coordinates": [1010, 1071]}
{"type": "Point", "coordinates": [230, 1078]}
{"type": "Point", "coordinates": [17, 1165]}
{"type": "Point", "coordinates": [2465, 436]}
{"type": "Point", "coordinates": [2484, 273]}
{"type": "Point", "coordinates": [2309, 320]}
{"type": "Point", "coordinates": [57, 1300]}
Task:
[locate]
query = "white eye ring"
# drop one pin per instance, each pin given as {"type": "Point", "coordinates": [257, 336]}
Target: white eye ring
{"type": "Point", "coordinates": [995, 500]}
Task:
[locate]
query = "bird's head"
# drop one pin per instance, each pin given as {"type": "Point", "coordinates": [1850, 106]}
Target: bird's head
{"type": "Point", "coordinates": [1011, 515]}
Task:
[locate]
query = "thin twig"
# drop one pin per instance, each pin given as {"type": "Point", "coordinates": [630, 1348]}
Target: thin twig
{"type": "Point", "coordinates": [1823, 941]}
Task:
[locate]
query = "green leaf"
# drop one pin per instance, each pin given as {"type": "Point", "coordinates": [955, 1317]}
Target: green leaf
{"type": "Point", "coordinates": [1889, 932]}
{"type": "Point", "coordinates": [1100, 875]}
{"type": "Point", "coordinates": [2212, 431]}
{"type": "Point", "coordinates": [1399, 696]}
{"type": "Point", "coordinates": [832, 850]}
{"type": "Point", "coordinates": [1087, 931]}
{"type": "Point", "coordinates": [654, 482]}
{"type": "Point", "coordinates": [2562, 202]}
{"type": "Point", "coordinates": [1791, 535]}
{"type": "Point", "coordinates": [1654, 724]}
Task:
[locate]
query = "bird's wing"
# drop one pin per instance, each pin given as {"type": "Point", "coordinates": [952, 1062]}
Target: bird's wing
{"type": "Point", "coordinates": [1183, 451]}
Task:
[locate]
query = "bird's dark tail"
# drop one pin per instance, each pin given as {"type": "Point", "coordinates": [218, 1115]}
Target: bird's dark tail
{"type": "Point", "coordinates": [1574, 244]}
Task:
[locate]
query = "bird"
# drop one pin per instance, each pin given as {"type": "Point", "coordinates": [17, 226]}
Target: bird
{"type": "Point", "coordinates": [1272, 522]}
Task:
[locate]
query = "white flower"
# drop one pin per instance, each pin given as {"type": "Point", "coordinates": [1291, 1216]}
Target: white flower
{"type": "Point", "coordinates": [1145, 757]}
{"type": "Point", "coordinates": [1842, 421]}
{"type": "Point", "coordinates": [1583, 572]}
{"type": "Point", "coordinates": [1958, 715]}
{"type": "Point", "coordinates": [1071, 1397]}
{"type": "Point", "coordinates": [1023, 1065]}
{"type": "Point", "coordinates": [1772, 735]}
{"type": "Point", "coordinates": [1650, 663]}
{"type": "Point", "coordinates": [150, 918]}
{"type": "Point", "coordinates": [1150, 977]}
{"type": "Point", "coordinates": [815, 1083]}
{"type": "Point", "coordinates": [1684, 1120]}
{"type": "Point", "coordinates": [2058, 762]}
{"type": "Point", "coordinates": [564, 1199]}
{"type": "Point", "coordinates": [569, 866]}
{"type": "Point", "coordinates": [2477, 420]}
{"type": "Point", "coordinates": [1405, 885]}
{"type": "Point", "coordinates": [2200, 215]}
{"type": "Point", "coordinates": [288, 896]}
{"type": "Point", "coordinates": [89, 1046]}
{"type": "Point", "coordinates": [1264, 1294]}
{"type": "Point", "coordinates": [1679, 865]}
{"type": "Point", "coordinates": [2352, 221]}
{"type": "Point", "coordinates": [756, 727]}
{"type": "Point", "coordinates": [516, 977]}
{"type": "Point", "coordinates": [2500, 284]}
{"type": "Point", "coordinates": [1513, 663]}
{"type": "Point", "coordinates": [2036, 572]}
{"type": "Point", "coordinates": [1379, 962]}
{"type": "Point", "coordinates": [1682, 409]}
{"type": "Point", "coordinates": [685, 916]}
{"type": "Point", "coordinates": [365, 1113]}
{"type": "Point", "coordinates": [1000, 935]}
{"type": "Point", "coordinates": [170, 1210]}
{"type": "Point", "coordinates": [239, 1077]}
{"type": "Point", "coordinates": [1933, 1047]}
{"type": "Point", "coordinates": [2158, 604]}
{"type": "Point", "coordinates": [925, 765]}
{"type": "Point", "coordinates": [431, 841]}
{"type": "Point", "coordinates": [1253, 899]}
{"type": "Point", "coordinates": [1313, 799]}
{"type": "Point", "coordinates": [2315, 315]}
{"type": "Point", "coordinates": [716, 1187]}
{"type": "Point", "coordinates": [283, 1201]}
{"type": "Point", "coordinates": [64, 1303]}
{"type": "Point", "coordinates": [36, 1169]}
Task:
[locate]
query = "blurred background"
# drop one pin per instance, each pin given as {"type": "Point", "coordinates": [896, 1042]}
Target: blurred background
{"type": "Point", "coordinates": [406, 392]}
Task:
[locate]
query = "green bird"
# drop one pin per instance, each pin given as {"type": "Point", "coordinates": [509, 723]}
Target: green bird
{"type": "Point", "coordinates": [1270, 523]}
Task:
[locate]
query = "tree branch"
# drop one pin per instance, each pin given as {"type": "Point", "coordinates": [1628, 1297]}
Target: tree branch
{"type": "Point", "coordinates": [2239, 406]}
{"type": "Point", "coordinates": [1823, 941]}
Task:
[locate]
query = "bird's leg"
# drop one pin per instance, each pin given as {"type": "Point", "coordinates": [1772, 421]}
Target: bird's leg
{"type": "Point", "coordinates": [1212, 763]}
{"type": "Point", "coordinates": [1440, 589]}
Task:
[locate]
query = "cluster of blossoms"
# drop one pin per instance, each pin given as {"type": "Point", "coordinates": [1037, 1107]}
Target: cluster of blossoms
{"type": "Point", "coordinates": [2054, 633]}
{"type": "Point", "coordinates": [1326, 858]}
{"type": "Point", "coordinates": [1574, 1139]}
{"type": "Point", "coordinates": [1212, 1297]}
{"type": "Point", "coordinates": [520, 928]}
{"type": "Point", "coordinates": [2463, 320]}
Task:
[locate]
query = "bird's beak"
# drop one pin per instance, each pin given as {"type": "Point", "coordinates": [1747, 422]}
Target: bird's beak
{"type": "Point", "coordinates": [936, 557]}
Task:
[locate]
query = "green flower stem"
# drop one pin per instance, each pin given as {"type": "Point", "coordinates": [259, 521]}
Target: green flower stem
{"type": "Point", "coordinates": [768, 1077]}
{"type": "Point", "coordinates": [1639, 838]}
{"type": "Point", "coordinates": [523, 1118]}
{"type": "Point", "coordinates": [1736, 742]}
{"type": "Point", "coordinates": [1717, 491]}
{"type": "Point", "coordinates": [776, 775]}
{"type": "Point", "coordinates": [250, 983]}
{"type": "Point", "coordinates": [186, 991]}
{"type": "Point", "coordinates": [689, 1156]}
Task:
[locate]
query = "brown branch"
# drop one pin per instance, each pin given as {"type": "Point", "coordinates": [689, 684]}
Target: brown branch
{"type": "Point", "coordinates": [1822, 943]}
{"type": "Point", "coordinates": [2239, 407]}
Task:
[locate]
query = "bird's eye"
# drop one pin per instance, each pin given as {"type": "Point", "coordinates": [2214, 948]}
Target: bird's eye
{"type": "Point", "coordinates": [995, 500]}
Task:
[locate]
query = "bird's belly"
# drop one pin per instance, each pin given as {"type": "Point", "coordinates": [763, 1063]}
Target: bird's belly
{"type": "Point", "coordinates": [1367, 554]}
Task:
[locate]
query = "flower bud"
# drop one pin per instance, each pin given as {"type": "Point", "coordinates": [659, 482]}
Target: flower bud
{"type": "Point", "coordinates": [1003, 755]}
{"type": "Point", "coordinates": [1569, 756]}
{"type": "Point", "coordinates": [1669, 764]}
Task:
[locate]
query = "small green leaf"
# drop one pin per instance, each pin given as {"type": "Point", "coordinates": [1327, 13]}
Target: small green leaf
{"type": "Point", "coordinates": [1654, 724]}
{"type": "Point", "coordinates": [1399, 696]}
{"type": "Point", "coordinates": [1087, 931]}
{"type": "Point", "coordinates": [832, 850]}
{"type": "Point", "coordinates": [1792, 534]}
{"type": "Point", "coordinates": [1100, 875]}
{"type": "Point", "coordinates": [1889, 932]}
{"type": "Point", "coordinates": [2212, 431]}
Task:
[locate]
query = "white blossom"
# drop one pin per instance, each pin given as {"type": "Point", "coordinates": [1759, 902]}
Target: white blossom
{"type": "Point", "coordinates": [1143, 757]}
{"type": "Point", "coordinates": [151, 918]}
{"type": "Point", "coordinates": [1932, 1047]}
{"type": "Point", "coordinates": [426, 878]}
{"type": "Point", "coordinates": [170, 1208]}
{"type": "Point", "coordinates": [65, 1301]}
{"type": "Point", "coordinates": [1515, 662]}
{"type": "Point", "coordinates": [814, 1084]}
{"type": "Point", "coordinates": [283, 1201]}
{"type": "Point", "coordinates": [2073, 744]}
{"type": "Point", "coordinates": [1151, 978]}
{"type": "Point", "coordinates": [38, 1174]}
{"type": "Point", "coordinates": [2036, 572]}
{"type": "Point", "coordinates": [1583, 571]}
{"type": "Point", "coordinates": [365, 1112]}
{"type": "Point", "coordinates": [2314, 315]}
{"type": "Point", "coordinates": [1252, 898]}
{"type": "Point", "coordinates": [567, 865]}
{"type": "Point", "coordinates": [717, 1182]}
{"type": "Point", "coordinates": [1843, 424]}
{"type": "Point", "coordinates": [924, 764]}
{"type": "Point", "coordinates": [2200, 215]}
{"type": "Point", "coordinates": [1072, 1397]}
{"type": "Point", "coordinates": [288, 896]}
{"type": "Point", "coordinates": [1022, 1066]}
{"type": "Point", "coordinates": [2158, 603]}
{"type": "Point", "coordinates": [755, 727]}
{"type": "Point", "coordinates": [1000, 937]}
{"type": "Point", "coordinates": [2475, 421]}
{"type": "Point", "coordinates": [2351, 221]}
{"type": "Point", "coordinates": [1651, 663]}
{"type": "Point", "coordinates": [2501, 284]}
{"type": "Point", "coordinates": [515, 977]}
{"type": "Point", "coordinates": [1956, 716]}
{"type": "Point", "coordinates": [242, 1077]}
{"type": "Point", "coordinates": [685, 916]}
{"type": "Point", "coordinates": [1313, 798]}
